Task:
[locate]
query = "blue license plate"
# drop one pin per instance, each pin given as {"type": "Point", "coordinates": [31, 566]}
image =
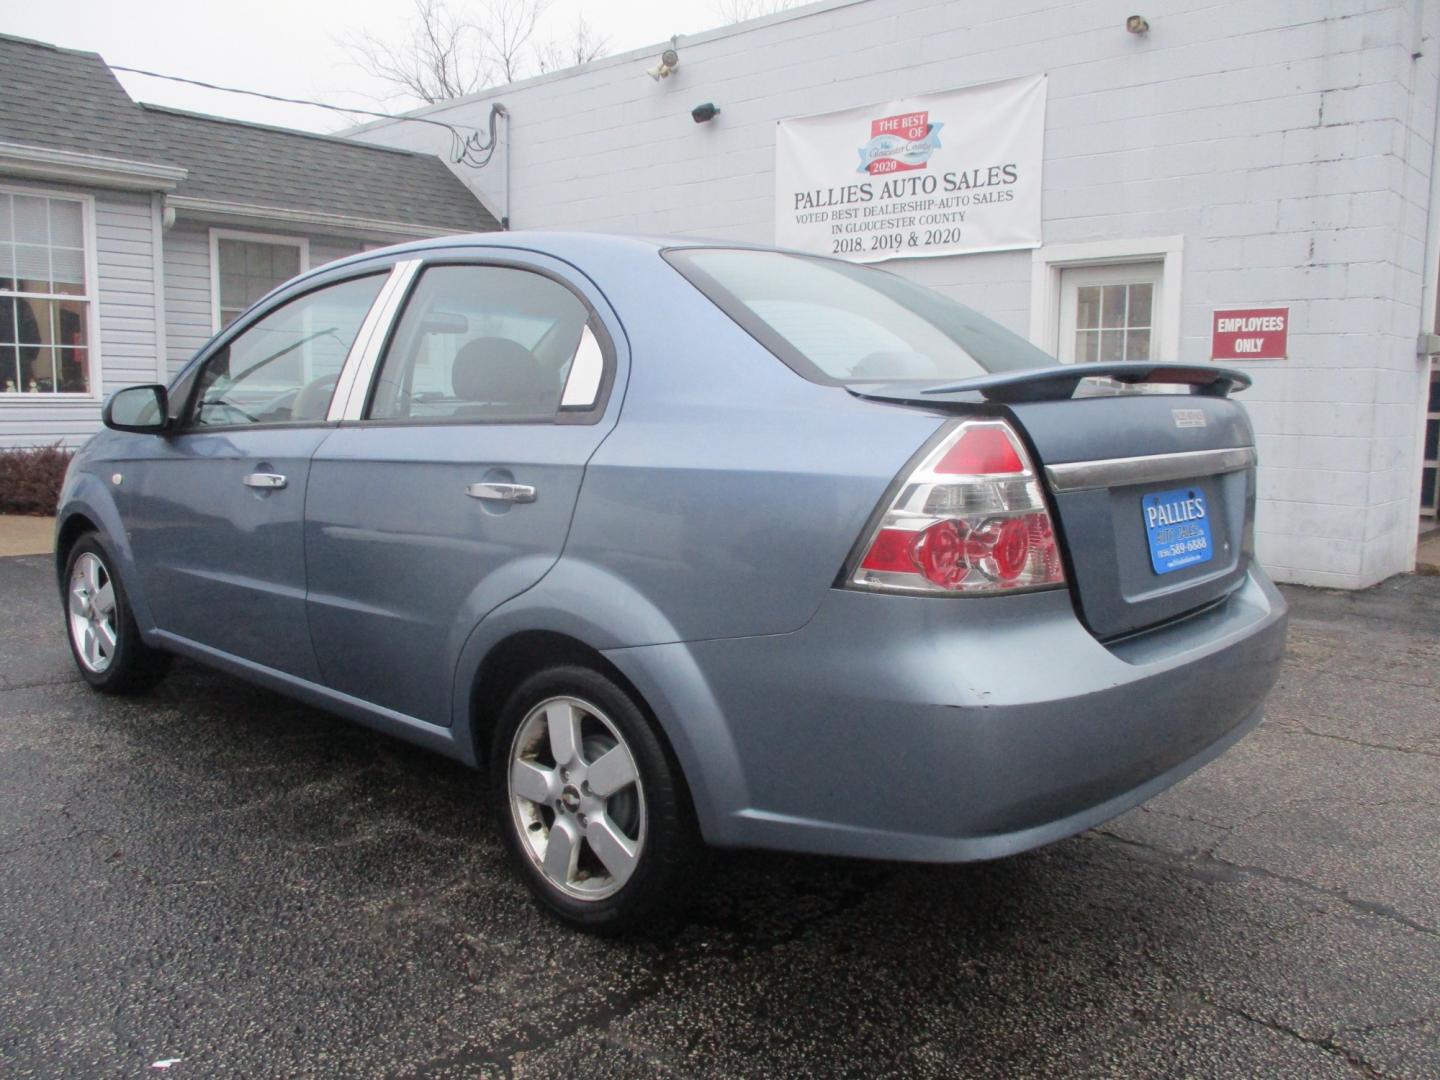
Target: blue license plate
{"type": "Point", "coordinates": [1177, 524]}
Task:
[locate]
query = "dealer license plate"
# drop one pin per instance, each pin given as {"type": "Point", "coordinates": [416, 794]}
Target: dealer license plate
{"type": "Point", "coordinates": [1177, 524]}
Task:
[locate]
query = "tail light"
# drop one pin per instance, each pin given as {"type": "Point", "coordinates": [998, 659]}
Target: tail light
{"type": "Point", "coordinates": [971, 519]}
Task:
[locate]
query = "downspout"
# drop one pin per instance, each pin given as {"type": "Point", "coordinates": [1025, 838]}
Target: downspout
{"type": "Point", "coordinates": [505, 221]}
{"type": "Point", "coordinates": [1428, 345]}
{"type": "Point", "coordinates": [157, 271]}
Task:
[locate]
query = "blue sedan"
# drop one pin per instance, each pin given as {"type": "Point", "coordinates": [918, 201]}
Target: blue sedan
{"type": "Point", "coordinates": [690, 544]}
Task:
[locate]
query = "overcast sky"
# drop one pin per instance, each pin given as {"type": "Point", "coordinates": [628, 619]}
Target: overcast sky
{"type": "Point", "coordinates": [293, 47]}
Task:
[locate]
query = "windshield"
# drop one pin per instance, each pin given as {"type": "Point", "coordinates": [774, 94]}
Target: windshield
{"type": "Point", "coordinates": [834, 322]}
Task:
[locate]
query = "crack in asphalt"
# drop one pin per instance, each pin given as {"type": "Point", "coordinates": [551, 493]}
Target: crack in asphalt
{"type": "Point", "coordinates": [9, 686]}
{"type": "Point", "coordinates": [1388, 680]}
{"type": "Point", "coordinates": [670, 959]}
{"type": "Point", "coordinates": [1288, 727]}
{"type": "Point", "coordinates": [1222, 869]}
{"type": "Point", "coordinates": [1327, 1043]}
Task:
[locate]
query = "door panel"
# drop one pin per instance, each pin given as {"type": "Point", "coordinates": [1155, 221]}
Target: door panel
{"type": "Point", "coordinates": [453, 491]}
{"type": "Point", "coordinates": [216, 511]}
{"type": "Point", "coordinates": [403, 563]}
{"type": "Point", "coordinates": [222, 562]}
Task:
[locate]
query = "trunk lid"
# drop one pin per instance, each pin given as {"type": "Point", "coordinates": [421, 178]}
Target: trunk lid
{"type": "Point", "coordinates": [1153, 494]}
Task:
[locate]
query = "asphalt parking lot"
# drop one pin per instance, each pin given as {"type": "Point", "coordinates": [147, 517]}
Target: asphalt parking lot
{"type": "Point", "coordinates": [212, 874]}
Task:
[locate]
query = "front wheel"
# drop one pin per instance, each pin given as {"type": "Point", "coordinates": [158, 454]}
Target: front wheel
{"type": "Point", "coordinates": [104, 639]}
{"type": "Point", "coordinates": [593, 810]}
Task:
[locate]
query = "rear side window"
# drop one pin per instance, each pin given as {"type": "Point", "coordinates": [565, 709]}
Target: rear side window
{"type": "Point", "coordinates": [834, 322]}
{"type": "Point", "coordinates": [483, 343]}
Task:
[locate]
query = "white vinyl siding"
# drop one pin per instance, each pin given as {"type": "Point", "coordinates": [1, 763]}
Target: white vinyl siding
{"type": "Point", "coordinates": [327, 249]}
{"type": "Point", "coordinates": [187, 293]}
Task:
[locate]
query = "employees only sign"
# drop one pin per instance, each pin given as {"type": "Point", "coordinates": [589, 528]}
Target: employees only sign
{"type": "Point", "coordinates": [943, 174]}
{"type": "Point", "coordinates": [1250, 334]}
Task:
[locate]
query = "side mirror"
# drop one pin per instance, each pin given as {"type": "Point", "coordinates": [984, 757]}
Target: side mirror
{"type": "Point", "coordinates": [138, 408]}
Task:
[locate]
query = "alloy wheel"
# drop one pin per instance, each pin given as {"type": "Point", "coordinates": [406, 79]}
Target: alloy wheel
{"type": "Point", "coordinates": [92, 613]}
{"type": "Point", "coordinates": [576, 798]}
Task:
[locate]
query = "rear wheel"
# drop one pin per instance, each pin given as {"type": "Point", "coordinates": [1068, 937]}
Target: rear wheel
{"type": "Point", "coordinates": [104, 639]}
{"type": "Point", "coordinates": [593, 810]}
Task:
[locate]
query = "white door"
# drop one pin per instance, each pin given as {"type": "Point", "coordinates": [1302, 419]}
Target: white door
{"type": "Point", "coordinates": [1110, 312]}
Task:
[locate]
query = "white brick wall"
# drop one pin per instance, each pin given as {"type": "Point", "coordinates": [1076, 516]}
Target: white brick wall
{"type": "Point", "coordinates": [1287, 141]}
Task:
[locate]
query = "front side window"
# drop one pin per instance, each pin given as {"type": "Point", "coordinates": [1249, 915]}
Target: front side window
{"type": "Point", "coordinates": [835, 322]}
{"type": "Point", "coordinates": [45, 298]}
{"type": "Point", "coordinates": [248, 269]}
{"type": "Point", "coordinates": [483, 343]}
{"type": "Point", "coordinates": [283, 369]}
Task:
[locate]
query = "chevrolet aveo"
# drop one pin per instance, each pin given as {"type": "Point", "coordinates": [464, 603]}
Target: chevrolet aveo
{"type": "Point", "coordinates": [690, 545]}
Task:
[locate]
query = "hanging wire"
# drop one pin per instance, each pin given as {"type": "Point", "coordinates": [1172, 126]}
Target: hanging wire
{"type": "Point", "coordinates": [465, 149]}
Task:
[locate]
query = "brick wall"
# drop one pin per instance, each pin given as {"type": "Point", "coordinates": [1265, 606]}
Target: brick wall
{"type": "Point", "coordinates": [1288, 141]}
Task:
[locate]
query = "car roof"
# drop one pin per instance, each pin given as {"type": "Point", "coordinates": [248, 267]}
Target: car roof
{"type": "Point", "coordinates": [573, 246]}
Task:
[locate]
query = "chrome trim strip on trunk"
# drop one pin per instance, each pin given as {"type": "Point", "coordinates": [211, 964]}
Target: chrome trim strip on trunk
{"type": "Point", "coordinates": [1150, 469]}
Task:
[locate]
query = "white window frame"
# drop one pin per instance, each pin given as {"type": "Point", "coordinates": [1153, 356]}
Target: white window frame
{"type": "Point", "coordinates": [91, 300]}
{"type": "Point", "coordinates": [1047, 266]}
{"type": "Point", "coordinates": [1074, 278]}
{"type": "Point", "coordinates": [216, 235]}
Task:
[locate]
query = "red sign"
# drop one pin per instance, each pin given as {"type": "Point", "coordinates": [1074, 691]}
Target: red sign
{"type": "Point", "coordinates": [899, 143]}
{"type": "Point", "coordinates": [908, 126]}
{"type": "Point", "coordinates": [1251, 334]}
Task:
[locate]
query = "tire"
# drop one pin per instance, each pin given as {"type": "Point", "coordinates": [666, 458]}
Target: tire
{"type": "Point", "coordinates": [104, 640]}
{"type": "Point", "coordinates": [616, 857]}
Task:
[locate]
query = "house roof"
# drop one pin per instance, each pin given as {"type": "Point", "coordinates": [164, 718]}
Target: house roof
{"type": "Point", "coordinates": [232, 161]}
{"type": "Point", "coordinates": [67, 100]}
{"type": "Point", "coordinates": [63, 99]}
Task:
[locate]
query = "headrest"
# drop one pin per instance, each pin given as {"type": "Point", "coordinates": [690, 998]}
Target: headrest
{"type": "Point", "coordinates": [499, 371]}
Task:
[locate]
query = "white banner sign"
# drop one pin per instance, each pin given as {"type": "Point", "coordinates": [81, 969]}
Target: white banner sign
{"type": "Point", "coordinates": [943, 174]}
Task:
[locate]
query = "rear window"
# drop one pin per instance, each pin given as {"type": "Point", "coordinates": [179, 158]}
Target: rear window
{"type": "Point", "coordinates": [834, 322]}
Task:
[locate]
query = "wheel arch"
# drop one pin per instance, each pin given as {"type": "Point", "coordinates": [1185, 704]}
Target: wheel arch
{"type": "Point", "coordinates": [513, 659]}
{"type": "Point", "coordinates": [88, 505]}
{"type": "Point", "coordinates": [75, 525]}
{"type": "Point", "coordinates": [581, 614]}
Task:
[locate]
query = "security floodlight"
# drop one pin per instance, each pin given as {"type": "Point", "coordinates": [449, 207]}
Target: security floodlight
{"type": "Point", "coordinates": [669, 61]}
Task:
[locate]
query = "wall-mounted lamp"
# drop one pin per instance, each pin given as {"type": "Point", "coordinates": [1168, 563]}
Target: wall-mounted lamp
{"type": "Point", "coordinates": [669, 61]}
{"type": "Point", "coordinates": [703, 114]}
{"type": "Point", "coordinates": [1137, 24]}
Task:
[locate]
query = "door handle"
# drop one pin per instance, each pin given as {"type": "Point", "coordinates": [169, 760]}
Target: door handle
{"type": "Point", "coordinates": [514, 493]}
{"type": "Point", "coordinates": [265, 480]}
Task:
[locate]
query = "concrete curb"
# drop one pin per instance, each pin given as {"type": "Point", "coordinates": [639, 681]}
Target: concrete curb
{"type": "Point", "coordinates": [22, 535]}
{"type": "Point", "coordinates": [1427, 558]}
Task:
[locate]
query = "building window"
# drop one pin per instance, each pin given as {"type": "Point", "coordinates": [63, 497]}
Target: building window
{"type": "Point", "coordinates": [1109, 312]}
{"type": "Point", "coordinates": [1106, 300]}
{"type": "Point", "coordinates": [45, 297]}
{"type": "Point", "coordinates": [247, 266]}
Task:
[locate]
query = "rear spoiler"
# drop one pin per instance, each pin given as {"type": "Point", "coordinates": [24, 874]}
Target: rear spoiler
{"type": "Point", "coordinates": [1060, 381]}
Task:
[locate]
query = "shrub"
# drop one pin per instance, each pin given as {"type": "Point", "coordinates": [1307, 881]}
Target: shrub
{"type": "Point", "coordinates": [30, 478]}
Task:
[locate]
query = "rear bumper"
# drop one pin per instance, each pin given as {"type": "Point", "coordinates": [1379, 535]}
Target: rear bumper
{"type": "Point", "coordinates": [953, 730]}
